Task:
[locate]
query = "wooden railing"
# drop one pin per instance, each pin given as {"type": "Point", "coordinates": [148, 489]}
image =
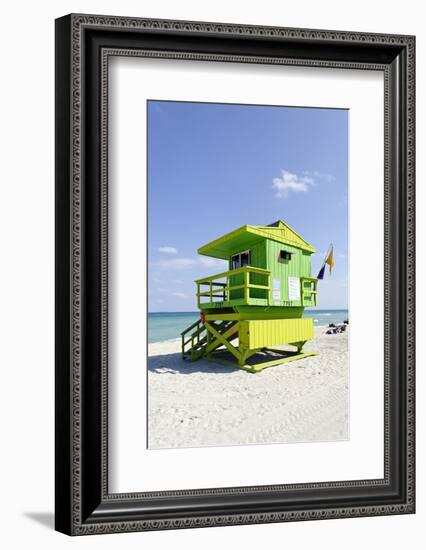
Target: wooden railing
{"type": "Point", "coordinates": [195, 338]}
{"type": "Point", "coordinates": [223, 291]}
{"type": "Point", "coordinates": [308, 291]}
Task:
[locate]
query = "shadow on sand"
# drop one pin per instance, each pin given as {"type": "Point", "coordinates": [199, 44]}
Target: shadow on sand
{"type": "Point", "coordinates": [172, 363]}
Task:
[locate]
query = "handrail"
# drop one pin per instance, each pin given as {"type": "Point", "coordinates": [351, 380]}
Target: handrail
{"type": "Point", "coordinates": [217, 290]}
{"type": "Point", "coordinates": [198, 321]}
{"type": "Point", "coordinates": [231, 272]}
{"type": "Point", "coordinates": [310, 292]}
{"type": "Point", "coordinates": [238, 287]}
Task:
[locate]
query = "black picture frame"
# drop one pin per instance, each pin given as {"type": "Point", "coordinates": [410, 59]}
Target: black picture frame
{"type": "Point", "coordinates": [83, 45]}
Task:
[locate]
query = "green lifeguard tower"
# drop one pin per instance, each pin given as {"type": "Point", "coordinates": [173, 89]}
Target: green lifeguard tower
{"type": "Point", "coordinates": [258, 303]}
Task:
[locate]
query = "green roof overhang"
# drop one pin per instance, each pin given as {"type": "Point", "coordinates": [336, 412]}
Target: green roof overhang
{"type": "Point", "coordinates": [225, 246]}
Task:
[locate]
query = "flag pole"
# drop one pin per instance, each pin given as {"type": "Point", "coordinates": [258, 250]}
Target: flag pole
{"type": "Point", "coordinates": [330, 252]}
{"type": "Point", "coordinates": [330, 246]}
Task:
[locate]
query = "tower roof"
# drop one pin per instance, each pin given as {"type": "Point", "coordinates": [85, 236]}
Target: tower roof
{"type": "Point", "coordinates": [248, 235]}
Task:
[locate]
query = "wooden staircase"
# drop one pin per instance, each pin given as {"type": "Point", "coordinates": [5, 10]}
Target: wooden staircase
{"type": "Point", "coordinates": [197, 340]}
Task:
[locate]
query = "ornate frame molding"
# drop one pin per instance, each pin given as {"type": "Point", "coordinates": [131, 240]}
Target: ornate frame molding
{"type": "Point", "coordinates": [84, 508]}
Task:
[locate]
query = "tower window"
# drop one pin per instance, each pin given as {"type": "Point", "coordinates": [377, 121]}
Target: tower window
{"type": "Point", "coordinates": [285, 255]}
{"type": "Point", "coordinates": [240, 260]}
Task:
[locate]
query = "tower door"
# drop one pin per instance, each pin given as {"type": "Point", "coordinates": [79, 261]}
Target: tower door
{"type": "Point", "coordinates": [239, 260]}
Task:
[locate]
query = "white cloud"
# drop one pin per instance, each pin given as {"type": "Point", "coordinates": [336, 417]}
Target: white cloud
{"type": "Point", "coordinates": [291, 182]}
{"type": "Point", "coordinates": [179, 294]}
{"type": "Point", "coordinates": [168, 250]}
{"type": "Point", "coordinates": [319, 175]}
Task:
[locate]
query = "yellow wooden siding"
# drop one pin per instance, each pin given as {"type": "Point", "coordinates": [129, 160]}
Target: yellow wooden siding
{"type": "Point", "coordinates": [260, 334]}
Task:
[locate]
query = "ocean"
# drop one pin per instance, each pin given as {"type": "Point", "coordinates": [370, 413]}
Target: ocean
{"type": "Point", "coordinates": [168, 325]}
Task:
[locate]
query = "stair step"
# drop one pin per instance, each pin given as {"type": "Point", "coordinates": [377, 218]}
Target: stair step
{"type": "Point", "coordinates": [199, 347]}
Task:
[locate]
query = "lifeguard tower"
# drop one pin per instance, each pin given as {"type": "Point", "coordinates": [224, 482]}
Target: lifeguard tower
{"type": "Point", "coordinates": [258, 303]}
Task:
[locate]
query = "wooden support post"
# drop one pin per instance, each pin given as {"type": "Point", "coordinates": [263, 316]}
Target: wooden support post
{"type": "Point", "coordinates": [209, 338]}
{"type": "Point", "coordinates": [246, 287]}
{"type": "Point", "coordinates": [222, 339]}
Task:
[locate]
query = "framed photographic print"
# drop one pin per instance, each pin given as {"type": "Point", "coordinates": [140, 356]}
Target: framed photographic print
{"type": "Point", "coordinates": [234, 274]}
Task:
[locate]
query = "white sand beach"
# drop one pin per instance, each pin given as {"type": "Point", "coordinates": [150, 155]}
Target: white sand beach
{"type": "Point", "coordinates": [206, 404]}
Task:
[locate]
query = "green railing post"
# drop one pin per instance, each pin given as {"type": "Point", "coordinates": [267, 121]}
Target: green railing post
{"type": "Point", "coordinates": [228, 292]}
{"type": "Point", "coordinates": [268, 292]}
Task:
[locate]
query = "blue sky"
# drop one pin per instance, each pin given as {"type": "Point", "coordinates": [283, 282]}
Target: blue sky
{"type": "Point", "coordinates": [215, 167]}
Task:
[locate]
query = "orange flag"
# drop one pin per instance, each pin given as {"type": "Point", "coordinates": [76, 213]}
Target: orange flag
{"type": "Point", "coordinates": [330, 259]}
